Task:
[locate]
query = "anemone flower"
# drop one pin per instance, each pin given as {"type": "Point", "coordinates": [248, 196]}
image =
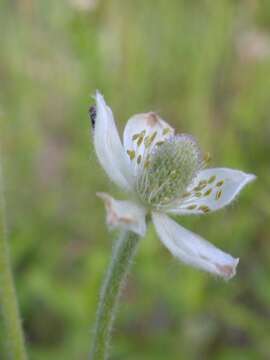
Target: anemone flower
{"type": "Point", "coordinates": [163, 174]}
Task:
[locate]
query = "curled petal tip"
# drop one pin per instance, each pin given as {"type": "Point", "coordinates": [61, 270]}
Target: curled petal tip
{"type": "Point", "coordinates": [102, 195]}
{"type": "Point", "coordinates": [251, 177]}
{"type": "Point", "coordinates": [98, 96]}
{"type": "Point", "coordinates": [124, 214]}
{"type": "Point", "coordinates": [98, 93]}
{"type": "Point", "coordinates": [228, 271]}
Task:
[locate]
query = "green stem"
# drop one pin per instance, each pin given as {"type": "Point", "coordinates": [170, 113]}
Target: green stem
{"type": "Point", "coordinates": [13, 336]}
{"type": "Point", "coordinates": [123, 253]}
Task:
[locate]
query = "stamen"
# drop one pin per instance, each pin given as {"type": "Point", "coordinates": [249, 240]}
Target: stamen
{"type": "Point", "coordinates": [218, 194]}
{"type": "Point", "coordinates": [139, 159]}
{"type": "Point", "coordinates": [208, 192]}
{"type": "Point", "coordinates": [131, 154]}
{"type": "Point", "coordinates": [140, 140]}
{"type": "Point", "coordinates": [139, 137]}
{"type": "Point", "coordinates": [135, 137]}
{"type": "Point", "coordinates": [149, 139]}
{"type": "Point", "coordinates": [212, 179]}
{"type": "Point", "coordinates": [191, 207]}
{"type": "Point", "coordinates": [204, 208]}
{"type": "Point", "coordinates": [200, 187]}
{"type": "Point", "coordinates": [220, 183]}
{"type": "Point", "coordinates": [203, 183]}
{"type": "Point", "coordinates": [166, 131]}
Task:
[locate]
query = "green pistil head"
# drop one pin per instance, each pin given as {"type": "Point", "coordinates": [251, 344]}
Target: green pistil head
{"type": "Point", "coordinates": [170, 169]}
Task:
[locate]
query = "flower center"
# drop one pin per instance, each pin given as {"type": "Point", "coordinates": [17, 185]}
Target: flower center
{"type": "Point", "coordinates": [168, 170]}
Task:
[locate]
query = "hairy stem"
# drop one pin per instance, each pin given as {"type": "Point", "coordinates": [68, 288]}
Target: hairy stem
{"type": "Point", "coordinates": [13, 339]}
{"type": "Point", "coordinates": [123, 253]}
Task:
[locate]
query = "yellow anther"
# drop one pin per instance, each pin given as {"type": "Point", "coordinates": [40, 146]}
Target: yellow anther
{"type": "Point", "coordinates": [204, 208]}
{"type": "Point", "coordinates": [152, 137]}
{"type": "Point", "coordinates": [208, 192]}
{"type": "Point", "coordinates": [207, 157]}
{"type": "Point", "coordinates": [147, 141]}
{"type": "Point", "coordinates": [131, 154]}
{"type": "Point", "coordinates": [203, 183]}
{"type": "Point", "coordinates": [166, 131]}
{"type": "Point", "coordinates": [140, 140]}
{"type": "Point", "coordinates": [199, 187]}
{"type": "Point", "coordinates": [220, 183]}
{"type": "Point", "coordinates": [212, 179]}
{"type": "Point", "coordinates": [198, 194]}
{"type": "Point", "coordinates": [135, 137]}
{"type": "Point", "coordinates": [159, 143]}
{"type": "Point", "coordinates": [218, 194]}
{"type": "Point", "coordinates": [139, 159]}
{"type": "Point", "coordinates": [139, 137]}
{"type": "Point", "coordinates": [191, 207]}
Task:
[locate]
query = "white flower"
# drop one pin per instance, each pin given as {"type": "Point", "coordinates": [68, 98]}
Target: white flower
{"type": "Point", "coordinates": [164, 173]}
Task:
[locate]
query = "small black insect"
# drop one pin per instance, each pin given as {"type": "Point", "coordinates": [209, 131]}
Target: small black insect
{"type": "Point", "coordinates": [92, 114]}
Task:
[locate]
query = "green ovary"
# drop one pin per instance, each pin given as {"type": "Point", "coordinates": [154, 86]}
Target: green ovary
{"type": "Point", "coordinates": [170, 169]}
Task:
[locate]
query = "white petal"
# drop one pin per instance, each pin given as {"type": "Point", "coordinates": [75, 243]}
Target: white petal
{"type": "Point", "coordinates": [124, 214]}
{"type": "Point", "coordinates": [212, 190]}
{"type": "Point", "coordinates": [109, 149]}
{"type": "Point", "coordinates": [141, 134]}
{"type": "Point", "coordinates": [192, 249]}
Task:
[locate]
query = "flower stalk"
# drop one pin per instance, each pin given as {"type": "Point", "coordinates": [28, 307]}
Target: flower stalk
{"type": "Point", "coordinates": [162, 173]}
{"type": "Point", "coordinates": [123, 253]}
{"type": "Point", "coordinates": [13, 334]}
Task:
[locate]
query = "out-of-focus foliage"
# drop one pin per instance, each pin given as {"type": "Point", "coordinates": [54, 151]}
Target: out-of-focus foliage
{"type": "Point", "coordinates": [205, 67]}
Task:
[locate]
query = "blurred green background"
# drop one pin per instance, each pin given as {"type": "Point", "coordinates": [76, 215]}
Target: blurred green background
{"type": "Point", "coordinates": [205, 67]}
